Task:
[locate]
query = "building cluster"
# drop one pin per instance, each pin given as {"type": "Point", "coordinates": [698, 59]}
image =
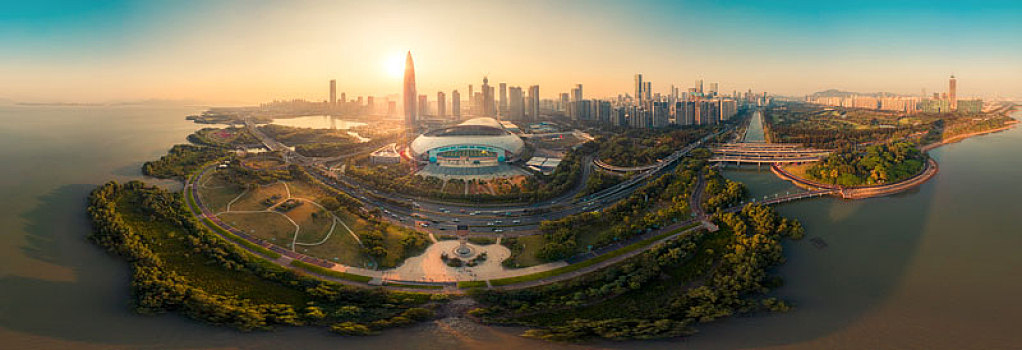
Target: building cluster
{"type": "Point", "coordinates": [937, 103]}
{"type": "Point", "coordinates": [648, 109]}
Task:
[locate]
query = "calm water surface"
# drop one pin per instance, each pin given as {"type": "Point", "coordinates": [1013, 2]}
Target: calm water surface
{"type": "Point", "coordinates": [934, 268]}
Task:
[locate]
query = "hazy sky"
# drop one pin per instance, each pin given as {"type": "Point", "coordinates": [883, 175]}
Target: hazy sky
{"type": "Point", "coordinates": [252, 51]}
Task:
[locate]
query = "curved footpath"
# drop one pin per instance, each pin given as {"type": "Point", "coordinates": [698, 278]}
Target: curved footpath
{"type": "Point", "coordinates": [360, 277]}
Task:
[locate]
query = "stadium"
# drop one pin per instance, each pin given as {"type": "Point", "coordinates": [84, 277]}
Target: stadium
{"type": "Point", "coordinates": [475, 147]}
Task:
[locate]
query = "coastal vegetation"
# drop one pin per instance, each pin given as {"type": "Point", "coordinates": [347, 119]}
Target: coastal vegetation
{"type": "Point", "coordinates": [182, 160]}
{"type": "Point", "coordinates": [664, 292]}
{"type": "Point", "coordinates": [872, 165]}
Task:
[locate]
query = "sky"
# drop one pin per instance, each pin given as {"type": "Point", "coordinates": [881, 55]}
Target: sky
{"type": "Point", "coordinates": [245, 52]}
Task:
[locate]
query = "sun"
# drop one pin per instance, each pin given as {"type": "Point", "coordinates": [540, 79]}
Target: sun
{"type": "Point", "coordinates": [394, 66]}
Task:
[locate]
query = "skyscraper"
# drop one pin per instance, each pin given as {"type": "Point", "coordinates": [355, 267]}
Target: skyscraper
{"type": "Point", "coordinates": [638, 89]}
{"type": "Point", "coordinates": [952, 92]}
{"type": "Point", "coordinates": [648, 91]}
{"type": "Point", "coordinates": [409, 93]}
{"type": "Point", "coordinates": [517, 105]}
{"type": "Point", "coordinates": [532, 106]}
{"type": "Point", "coordinates": [333, 92]}
{"type": "Point", "coordinates": [713, 89]}
{"type": "Point", "coordinates": [503, 99]}
{"type": "Point", "coordinates": [456, 105]}
{"type": "Point", "coordinates": [487, 107]}
{"type": "Point", "coordinates": [441, 104]}
{"type": "Point", "coordinates": [699, 86]}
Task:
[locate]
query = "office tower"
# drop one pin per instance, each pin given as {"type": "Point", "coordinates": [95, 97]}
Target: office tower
{"type": "Point", "coordinates": [492, 101]}
{"type": "Point", "coordinates": [638, 89]}
{"type": "Point", "coordinates": [533, 105]}
{"type": "Point", "coordinates": [699, 86]}
{"type": "Point", "coordinates": [487, 105]}
{"type": "Point", "coordinates": [713, 89]}
{"type": "Point", "coordinates": [409, 93]}
{"type": "Point", "coordinates": [648, 91]}
{"type": "Point", "coordinates": [423, 105]}
{"type": "Point", "coordinates": [952, 92]}
{"type": "Point", "coordinates": [503, 99]}
{"type": "Point", "coordinates": [456, 105]}
{"type": "Point", "coordinates": [471, 100]}
{"type": "Point", "coordinates": [370, 105]}
{"type": "Point", "coordinates": [333, 92]}
{"type": "Point", "coordinates": [441, 105]}
{"type": "Point", "coordinates": [391, 108]}
{"type": "Point", "coordinates": [564, 101]}
{"type": "Point", "coordinates": [517, 107]}
{"type": "Point", "coordinates": [576, 102]}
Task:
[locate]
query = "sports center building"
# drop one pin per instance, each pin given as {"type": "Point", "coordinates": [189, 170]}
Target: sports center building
{"type": "Point", "coordinates": [473, 147]}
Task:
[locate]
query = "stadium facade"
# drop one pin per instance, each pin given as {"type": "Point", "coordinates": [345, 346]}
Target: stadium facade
{"type": "Point", "coordinates": [475, 143]}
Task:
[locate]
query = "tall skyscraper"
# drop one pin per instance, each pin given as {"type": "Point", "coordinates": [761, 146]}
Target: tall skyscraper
{"type": "Point", "coordinates": [471, 100]}
{"type": "Point", "coordinates": [370, 105]}
{"type": "Point", "coordinates": [952, 92]}
{"type": "Point", "coordinates": [487, 107]}
{"type": "Point", "coordinates": [441, 104]}
{"type": "Point", "coordinates": [648, 90]}
{"type": "Point", "coordinates": [456, 105]}
{"type": "Point", "coordinates": [503, 99]}
{"type": "Point", "coordinates": [699, 86]}
{"type": "Point", "coordinates": [638, 89]}
{"type": "Point", "coordinates": [333, 92]}
{"type": "Point", "coordinates": [409, 93]}
{"type": "Point", "coordinates": [423, 105]}
{"type": "Point", "coordinates": [713, 89]}
{"type": "Point", "coordinates": [532, 106]}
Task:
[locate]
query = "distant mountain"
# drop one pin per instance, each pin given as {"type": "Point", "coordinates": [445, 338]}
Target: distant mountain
{"type": "Point", "coordinates": [841, 93]}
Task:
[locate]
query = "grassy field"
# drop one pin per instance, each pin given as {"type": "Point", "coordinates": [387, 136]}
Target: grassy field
{"type": "Point", "coordinates": [531, 245]}
{"type": "Point", "coordinates": [253, 199]}
{"type": "Point", "coordinates": [301, 189]}
{"type": "Point", "coordinates": [314, 221]}
{"type": "Point", "coordinates": [270, 226]}
{"type": "Point", "coordinates": [169, 244]}
{"type": "Point", "coordinates": [216, 193]}
{"type": "Point", "coordinates": [331, 273]}
{"type": "Point", "coordinates": [798, 169]}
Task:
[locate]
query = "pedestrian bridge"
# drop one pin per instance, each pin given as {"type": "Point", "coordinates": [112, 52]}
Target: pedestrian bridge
{"type": "Point", "coordinates": [761, 152]}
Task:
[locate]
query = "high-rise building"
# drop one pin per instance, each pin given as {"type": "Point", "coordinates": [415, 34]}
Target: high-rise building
{"type": "Point", "coordinates": [648, 90]}
{"type": "Point", "coordinates": [517, 105]}
{"type": "Point", "coordinates": [699, 86]}
{"type": "Point", "coordinates": [370, 105]}
{"type": "Point", "coordinates": [487, 107]}
{"type": "Point", "coordinates": [952, 92]}
{"type": "Point", "coordinates": [471, 100]}
{"type": "Point", "coordinates": [333, 92]}
{"type": "Point", "coordinates": [503, 98]}
{"type": "Point", "coordinates": [441, 104]}
{"type": "Point", "coordinates": [423, 105]}
{"type": "Point", "coordinates": [532, 107]}
{"type": "Point", "coordinates": [456, 105]}
{"type": "Point", "coordinates": [409, 93]}
{"type": "Point", "coordinates": [638, 89]}
{"type": "Point", "coordinates": [713, 89]}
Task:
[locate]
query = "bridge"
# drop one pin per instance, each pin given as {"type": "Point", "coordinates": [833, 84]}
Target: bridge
{"type": "Point", "coordinates": [777, 199]}
{"type": "Point", "coordinates": [622, 169]}
{"type": "Point", "coordinates": [770, 153]}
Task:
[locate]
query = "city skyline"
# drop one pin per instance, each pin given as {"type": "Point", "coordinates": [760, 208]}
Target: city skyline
{"type": "Point", "coordinates": [210, 52]}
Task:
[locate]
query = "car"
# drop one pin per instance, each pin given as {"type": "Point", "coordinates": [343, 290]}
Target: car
{"type": "Point", "coordinates": [489, 224]}
{"type": "Point", "coordinates": [498, 222]}
{"type": "Point", "coordinates": [498, 230]}
{"type": "Point", "coordinates": [463, 210]}
{"type": "Point", "coordinates": [474, 213]}
{"type": "Point", "coordinates": [456, 220]}
{"type": "Point", "coordinates": [443, 229]}
{"type": "Point", "coordinates": [442, 209]}
{"type": "Point", "coordinates": [516, 221]}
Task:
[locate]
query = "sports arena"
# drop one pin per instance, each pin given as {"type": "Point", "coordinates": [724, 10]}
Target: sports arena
{"type": "Point", "coordinates": [475, 147]}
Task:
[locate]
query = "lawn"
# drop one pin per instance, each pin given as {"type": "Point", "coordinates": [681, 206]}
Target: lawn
{"type": "Point", "coordinates": [530, 246]}
{"type": "Point", "coordinates": [314, 221]}
{"type": "Point", "coordinates": [302, 189]}
{"type": "Point", "coordinates": [215, 193]}
{"type": "Point", "coordinates": [270, 226]}
{"type": "Point", "coordinates": [253, 199]}
{"type": "Point", "coordinates": [168, 242]}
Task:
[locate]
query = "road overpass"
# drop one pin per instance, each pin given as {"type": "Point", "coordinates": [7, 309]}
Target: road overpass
{"type": "Point", "coordinates": [766, 153]}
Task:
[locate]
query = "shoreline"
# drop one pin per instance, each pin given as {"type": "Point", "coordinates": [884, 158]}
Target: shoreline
{"type": "Point", "coordinates": [862, 192]}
